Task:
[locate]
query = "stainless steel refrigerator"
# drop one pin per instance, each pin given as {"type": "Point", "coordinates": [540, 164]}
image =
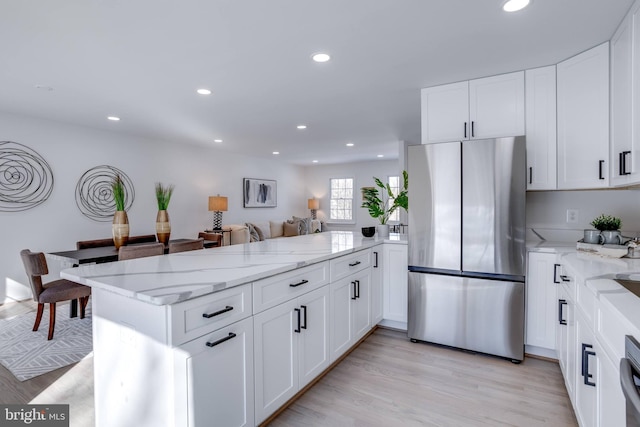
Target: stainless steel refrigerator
{"type": "Point", "coordinates": [467, 245]}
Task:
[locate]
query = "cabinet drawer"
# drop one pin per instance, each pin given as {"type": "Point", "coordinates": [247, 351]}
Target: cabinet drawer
{"type": "Point", "coordinates": [275, 290]}
{"type": "Point", "coordinates": [203, 315]}
{"type": "Point", "coordinates": [586, 301]}
{"type": "Point", "coordinates": [348, 264]}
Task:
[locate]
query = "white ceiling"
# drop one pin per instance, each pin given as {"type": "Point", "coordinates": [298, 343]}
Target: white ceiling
{"type": "Point", "coordinates": [142, 60]}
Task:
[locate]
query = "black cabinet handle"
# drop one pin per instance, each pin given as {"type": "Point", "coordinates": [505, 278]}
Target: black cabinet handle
{"type": "Point", "coordinates": [600, 163]}
{"type": "Point", "coordinates": [375, 259]}
{"type": "Point", "coordinates": [354, 290]}
{"type": "Point", "coordinates": [357, 288]}
{"type": "Point", "coordinates": [585, 364]}
{"type": "Point", "coordinates": [623, 159]}
{"type": "Point", "coordinates": [561, 302]}
{"type": "Point", "coordinates": [620, 164]}
{"type": "Point", "coordinates": [565, 278]}
{"type": "Point", "coordinates": [555, 273]}
{"type": "Point", "coordinates": [355, 263]}
{"type": "Point", "coordinates": [473, 132]}
{"type": "Point", "coordinates": [297, 330]}
{"type": "Point", "coordinates": [304, 317]}
{"type": "Point", "coordinates": [302, 282]}
{"type": "Point", "coordinates": [465, 129]}
{"type": "Point", "coordinates": [221, 340]}
{"type": "Point", "coordinates": [530, 175]}
{"type": "Point", "coordinates": [217, 313]}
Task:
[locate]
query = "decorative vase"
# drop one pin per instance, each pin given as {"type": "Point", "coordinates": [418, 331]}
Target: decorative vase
{"type": "Point", "coordinates": [120, 229]}
{"type": "Point", "coordinates": [382, 230]}
{"type": "Point", "coordinates": [163, 227]}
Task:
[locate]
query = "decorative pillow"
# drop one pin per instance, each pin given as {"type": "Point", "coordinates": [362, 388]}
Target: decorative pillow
{"type": "Point", "coordinates": [264, 227]}
{"type": "Point", "coordinates": [259, 231]}
{"type": "Point", "coordinates": [305, 224]}
{"type": "Point", "coordinates": [253, 234]}
{"type": "Point", "coordinates": [291, 230]}
{"type": "Point", "coordinates": [276, 228]}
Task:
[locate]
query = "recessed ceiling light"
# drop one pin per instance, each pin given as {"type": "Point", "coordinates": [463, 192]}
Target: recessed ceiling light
{"type": "Point", "coordinates": [301, 126]}
{"type": "Point", "coordinates": [276, 152]}
{"type": "Point", "coordinates": [380, 155]}
{"type": "Point", "coordinates": [113, 118]}
{"type": "Point", "coordinates": [217, 140]}
{"type": "Point", "coordinates": [350, 144]}
{"type": "Point", "coordinates": [204, 91]}
{"type": "Point", "coordinates": [320, 57]}
{"type": "Point", "coordinates": [515, 5]}
{"type": "Point", "coordinates": [314, 161]}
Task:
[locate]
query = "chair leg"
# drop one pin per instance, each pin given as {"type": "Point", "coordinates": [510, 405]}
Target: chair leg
{"type": "Point", "coordinates": [38, 316]}
{"type": "Point", "coordinates": [52, 319]}
{"type": "Point", "coordinates": [83, 301]}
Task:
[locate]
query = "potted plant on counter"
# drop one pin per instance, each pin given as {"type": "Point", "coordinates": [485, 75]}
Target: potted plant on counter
{"type": "Point", "coordinates": [120, 225]}
{"type": "Point", "coordinates": [381, 202]}
{"type": "Point", "coordinates": [609, 227]}
{"type": "Point", "coordinates": [163, 226]}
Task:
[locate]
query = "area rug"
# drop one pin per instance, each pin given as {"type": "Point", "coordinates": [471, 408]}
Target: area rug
{"type": "Point", "coordinates": [28, 354]}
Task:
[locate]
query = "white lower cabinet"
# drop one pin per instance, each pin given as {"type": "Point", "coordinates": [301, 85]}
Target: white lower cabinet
{"type": "Point", "coordinates": [219, 377]}
{"type": "Point", "coordinates": [395, 283]}
{"type": "Point", "coordinates": [291, 348]}
{"type": "Point", "coordinates": [350, 311]}
{"type": "Point", "coordinates": [542, 306]}
{"type": "Point", "coordinates": [566, 337]}
{"type": "Point", "coordinates": [586, 398]}
{"type": "Point", "coordinates": [376, 286]}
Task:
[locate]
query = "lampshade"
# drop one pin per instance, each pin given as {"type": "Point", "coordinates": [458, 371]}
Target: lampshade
{"type": "Point", "coordinates": [313, 204]}
{"type": "Point", "coordinates": [218, 203]}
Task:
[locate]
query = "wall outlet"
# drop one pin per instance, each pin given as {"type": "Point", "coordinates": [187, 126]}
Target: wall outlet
{"type": "Point", "coordinates": [572, 216]}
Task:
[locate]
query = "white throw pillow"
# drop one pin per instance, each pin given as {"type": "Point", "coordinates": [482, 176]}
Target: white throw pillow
{"type": "Point", "coordinates": [264, 227]}
{"type": "Point", "coordinates": [277, 228]}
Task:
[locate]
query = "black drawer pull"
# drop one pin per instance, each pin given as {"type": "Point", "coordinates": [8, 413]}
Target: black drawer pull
{"type": "Point", "coordinates": [217, 313]}
{"type": "Point", "coordinates": [561, 320]}
{"type": "Point", "coordinates": [304, 317]}
{"type": "Point", "coordinates": [473, 129]}
{"type": "Point", "coordinates": [297, 330]}
{"type": "Point", "coordinates": [355, 263]}
{"type": "Point", "coordinates": [600, 164]}
{"type": "Point", "coordinates": [221, 340]}
{"type": "Point", "coordinates": [530, 175]}
{"type": "Point", "coordinates": [565, 278]}
{"type": "Point", "coordinates": [555, 273]}
{"type": "Point", "coordinates": [355, 295]}
{"type": "Point", "coordinates": [375, 263]}
{"type": "Point", "coordinates": [623, 159]}
{"type": "Point", "coordinates": [465, 130]}
{"type": "Point", "coordinates": [302, 282]}
{"type": "Point", "coordinates": [585, 364]}
{"type": "Point", "coordinates": [357, 288]}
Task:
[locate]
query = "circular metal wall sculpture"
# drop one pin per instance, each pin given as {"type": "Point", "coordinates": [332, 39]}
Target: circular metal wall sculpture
{"type": "Point", "coordinates": [26, 179]}
{"type": "Point", "coordinates": [94, 195]}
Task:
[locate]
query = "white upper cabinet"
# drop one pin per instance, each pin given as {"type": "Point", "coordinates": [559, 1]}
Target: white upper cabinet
{"type": "Point", "coordinates": [477, 109]}
{"type": "Point", "coordinates": [496, 106]}
{"type": "Point", "coordinates": [583, 120]}
{"type": "Point", "coordinates": [622, 156]}
{"type": "Point", "coordinates": [540, 89]}
{"type": "Point", "coordinates": [445, 113]}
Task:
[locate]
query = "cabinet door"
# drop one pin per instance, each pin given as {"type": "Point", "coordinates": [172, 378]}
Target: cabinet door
{"type": "Point", "coordinates": [542, 306]}
{"type": "Point", "coordinates": [540, 88]}
{"type": "Point", "coordinates": [341, 335]}
{"type": "Point", "coordinates": [586, 368]}
{"type": "Point", "coordinates": [313, 341]}
{"type": "Point", "coordinates": [445, 113]}
{"type": "Point", "coordinates": [395, 282]}
{"type": "Point", "coordinates": [220, 376]}
{"type": "Point", "coordinates": [361, 311]}
{"type": "Point", "coordinates": [276, 358]}
{"type": "Point", "coordinates": [496, 106]}
{"type": "Point", "coordinates": [377, 270]}
{"type": "Point", "coordinates": [565, 339]}
{"type": "Point", "coordinates": [622, 154]}
{"type": "Point", "coordinates": [583, 120]}
{"type": "Point", "coordinates": [611, 400]}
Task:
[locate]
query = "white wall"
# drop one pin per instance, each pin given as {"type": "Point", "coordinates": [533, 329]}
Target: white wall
{"type": "Point", "coordinates": [317, 183]}
{"type": "Point", "coordinates": [547, 211]}
{"type": "Point", "coordinates": [197, 172]}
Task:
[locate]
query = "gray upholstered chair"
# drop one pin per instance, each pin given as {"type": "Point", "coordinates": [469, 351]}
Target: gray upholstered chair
{"type": "Point", "coordinates": [189, 245]}
{"type": "Point", "coordinates": [50, 293]}
{"type": "Point", "coordinates": [140, 251]}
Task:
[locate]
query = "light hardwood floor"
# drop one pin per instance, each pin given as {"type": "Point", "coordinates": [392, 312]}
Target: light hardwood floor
{"type": "Point", "coordinates": [386, 381]}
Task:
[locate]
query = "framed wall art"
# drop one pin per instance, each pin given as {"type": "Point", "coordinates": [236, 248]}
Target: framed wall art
{"type": "Point", "coordinates": [259, 193]}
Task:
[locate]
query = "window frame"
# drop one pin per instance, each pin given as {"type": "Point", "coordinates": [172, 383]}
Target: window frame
{"type": "Point", "coordinates": [331, 220]}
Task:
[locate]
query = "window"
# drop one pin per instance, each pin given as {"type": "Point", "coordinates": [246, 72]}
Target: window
{"type": "Point", "coordinates": [394, 183]}
{"type": "Point", "coordinates": [341, 200]}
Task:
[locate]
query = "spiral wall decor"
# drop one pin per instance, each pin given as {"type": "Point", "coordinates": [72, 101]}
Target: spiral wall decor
{"type": "Point", "coordinates": [26, 179]}
{"type": "Point", "coordinates": [94, 195]}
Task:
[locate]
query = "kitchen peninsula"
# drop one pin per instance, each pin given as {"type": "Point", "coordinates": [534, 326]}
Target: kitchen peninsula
{"type": "Point", "coordinates": [226, 336]}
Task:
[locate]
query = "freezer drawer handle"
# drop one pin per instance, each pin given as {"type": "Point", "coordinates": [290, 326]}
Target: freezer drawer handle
{"type": "Point", "coordinates": [561, 302]}
{"type": "Point", "coordinates": [555, 273]}
{"type": "Point", "coordinates": [297, 330]}
{"type": "Point", "coordinates": [302, 282]}
{"type": "Point", "coordinates": [217, 313]}
{"type": "Point", "coordinates": [355, 263]}
{"type": "Point", "coordinates": [221, 340]}
{"type": "Point", "coordinates": [355, 295]}
{"type": "Point", "coordinates": [585, 364]}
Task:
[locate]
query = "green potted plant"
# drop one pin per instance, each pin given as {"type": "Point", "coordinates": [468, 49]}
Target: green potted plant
{"type": "Point", "coordinates": [377, 201]}
{"type": "Point", "coordinates": [120, 225]}
{"type": "Point", "coordinates": [609, 227]}
{"type": "Point", "coordinates": [163, 226]}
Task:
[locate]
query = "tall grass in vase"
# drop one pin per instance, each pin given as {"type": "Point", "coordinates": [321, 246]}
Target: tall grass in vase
{"type": "Point", "coordinates": [163, 225]}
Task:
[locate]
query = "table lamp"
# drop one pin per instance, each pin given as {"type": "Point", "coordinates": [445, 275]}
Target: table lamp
{"type": "Point", "coordinates": [217, 205]}
{"type": "Point", "coordinates": [314, 205]}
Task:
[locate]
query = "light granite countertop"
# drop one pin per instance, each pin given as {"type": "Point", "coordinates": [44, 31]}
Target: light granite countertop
{"type": "Point", "coordinates": [168, 279]}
